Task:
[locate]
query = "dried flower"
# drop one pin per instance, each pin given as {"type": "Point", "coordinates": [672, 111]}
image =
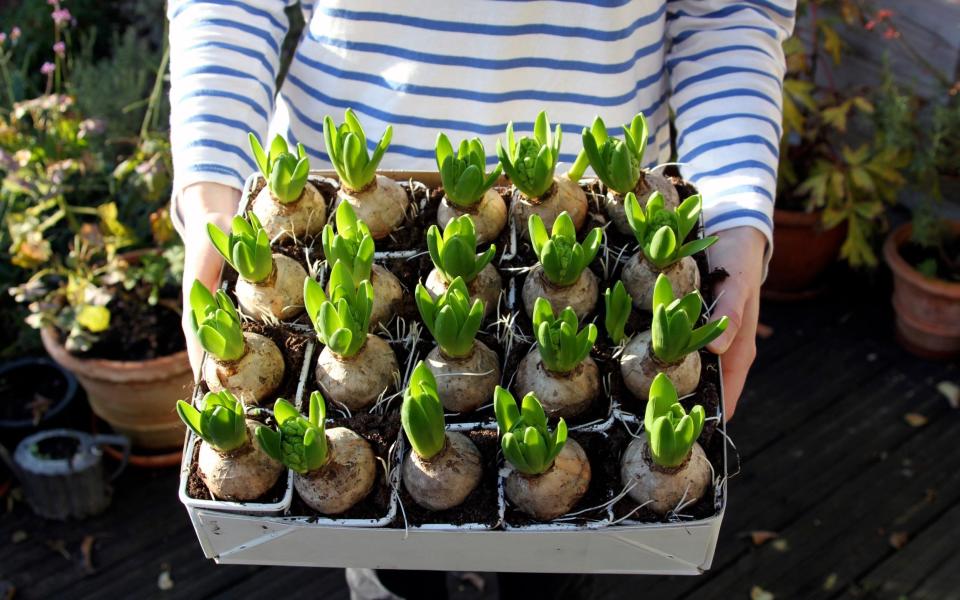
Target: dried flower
{"type": "Point", "coordinates": [48, 68]}
{"type": "Point", "coordinates": [60, 49]}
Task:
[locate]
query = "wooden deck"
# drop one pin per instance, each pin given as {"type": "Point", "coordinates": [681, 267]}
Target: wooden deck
{"type": "Point", "coordinates": [859, 502]}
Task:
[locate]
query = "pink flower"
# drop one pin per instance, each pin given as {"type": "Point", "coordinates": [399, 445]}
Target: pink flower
{"type": "Point", "coordinates": [60, 49]}
{"type": "Point", "coordinates": [15, 34]}
{"type": "Point", "coordinates": [48, 68]}
{"type": "Point", "coordinates": [61, 16]}
{"type": "Point", "coordinates": [3, 37]}
{"type": "Point", "coordinates": [54, 3]}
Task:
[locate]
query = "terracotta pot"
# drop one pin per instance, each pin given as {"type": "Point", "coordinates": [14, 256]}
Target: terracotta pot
{"type": "Point", "coordinates": [137, 398]}
{"type": "Point", "coordinates": [928, 309]}
{"type": "Point", "coordinates": [802, 251]}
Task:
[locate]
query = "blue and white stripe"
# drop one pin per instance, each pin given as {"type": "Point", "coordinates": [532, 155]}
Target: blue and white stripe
{"type": "Point", "coordinates": [468, 67]}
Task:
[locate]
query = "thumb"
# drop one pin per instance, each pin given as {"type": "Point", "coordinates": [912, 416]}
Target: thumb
{"type": "Point", "coordinates": [730, 303]}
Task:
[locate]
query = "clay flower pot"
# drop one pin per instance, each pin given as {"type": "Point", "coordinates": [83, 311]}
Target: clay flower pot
{"type": "Point", "coordinates": [137, 398]}
{"type": "Point", "coordinates": [928, 309]}
{"type": "Point", "coordinates": [802, 251]}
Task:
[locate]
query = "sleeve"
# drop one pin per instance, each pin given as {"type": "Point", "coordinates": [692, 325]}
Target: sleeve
{"type": "Point", "coordinates": [224, 57]}
{"type": "Point", "coordinates": [726, 67]}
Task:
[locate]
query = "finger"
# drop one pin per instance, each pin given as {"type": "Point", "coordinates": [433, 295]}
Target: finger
{"type": "Point", "coordinates": [731, 303]}
{"type": "Point", "coordinates": [739, 357]}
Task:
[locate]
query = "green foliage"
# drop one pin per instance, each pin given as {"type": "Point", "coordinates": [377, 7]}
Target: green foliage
{"type": "Point", "coordinates": [454, 252]}
{"type": "Point", "coordinates": [562, 348]}
{"type": "Point", "coordinates": [451, 319]}
{"type": "Point", "coordinates": [562, 257]}
{"type": "Point", "coordinates": [286, 173]}
{"type": "Point", "coordinates": [672, 332]}
{"type": "Point", "coordinates": [299, 443]}
{"type": "Point", "coordinates": [463, 173]}
{"type": "Point", "coordinates": [671, 432]}
{"type": "Point", "coordinates": [422, 413]}
{"type": "Point", "coordinates": [530, 162]}
{"type": "Point", "coordinates": [661, 232]}
{"type": "Point", "coordinates": [341, 317]}
{"type": "Point", "coordinates": [347, 146]}
{"type": "Point", "coordinates": [351, 245]}
{"type": "Point", "coordinates": [527, 442]}
{"type": "Point", "coordinates": [618, 305]}
{"type": "Point", "coordinates": [617, 162]}
{"type": "Point", "coordinates": [246, 248]}
{"type": "Point", "coordinates": [215, 322]}
{"type": "Point", "coordinates": [220, 422]}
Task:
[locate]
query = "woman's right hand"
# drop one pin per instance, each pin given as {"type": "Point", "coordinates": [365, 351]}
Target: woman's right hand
{"type": "Point", "coordinates": [199, 204]}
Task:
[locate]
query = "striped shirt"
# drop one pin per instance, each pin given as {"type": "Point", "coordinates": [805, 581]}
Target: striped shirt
{"type": "Point", "coordinates": [468, 67]}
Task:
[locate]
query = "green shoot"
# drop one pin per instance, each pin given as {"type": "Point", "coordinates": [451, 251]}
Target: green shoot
{"type": "Point", "coordinates": [215, 322]}
{"type": "Point", "coordinates": [562, 348]}
{"type": "Point", "coordinates": [618, 304]}
{"type": "Point", "coordinates": [527, 442]}
{"type": "Point", "coordinates": [661, 232]}
{"type": "Point", "coordinates": [463, 173]}
{"type": "Point", "coordinates": [221, 422]}
{"type": "Point", "coordinates": [347, 146]}
{"type": "Point", "coordinates": [454, 252]}
{"type": "Point", "coordinates": [451, 319]}
{"type": "Point", "coordinates": [671, 432]}
{"type": "Point", "coordinates": [672, 332]}
{"type": "Point", "coordinates": [246, 248]}
{"type": "Point", "coordinates": [530, 162]}
{"type": "Point", "coordinates": [422, 414]}
{"type": "Point", "coordinates": [617, 162]}
{"type": "Point", "coordinates": [341, 317]}
{"type": "Point", "coordinates": [352, 245]}
{"type": "Point", "coordinates": [286, 173]}
{"type": "Point", "coordinates": [562, 257]}
{"type": "Point", "coordinates": [299, 443]}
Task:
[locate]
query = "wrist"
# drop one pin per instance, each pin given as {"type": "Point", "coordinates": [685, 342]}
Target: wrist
{"type": "Point", "coordinates": [201, 203]}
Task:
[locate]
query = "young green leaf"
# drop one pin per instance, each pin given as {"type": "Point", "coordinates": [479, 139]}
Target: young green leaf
{"type": "Point", "coordinates": [341, 317]}
{"type": "Point", "coordinates": [562, 257]}
{"type": "Point", "coordinates": [526, 440]}
{"type": "Point", "coordinates": [463, 173]}
{"type": "Point", "coordinates": [672, 332]}
{"type": "Point", "coordinates": [347, 146]}
{"type": "Point", "coordinates": [220, 422]}
{"type": "Point", "coordinates": [351, 244]}
{"type": "Point", "coordinates": [215, 322]}
{"type": "Point", "coordinates": [617, 162]}
{"type": "Point", "coordinates": [562, 348]}
{"type": "Point", "coordinates": [246, 248]}
{"type": "Point", "coordinates": [451, 319]}
{"type": "Point", "coordinates": [618, 304]}
{"type": "Point", "coordinates": [661, 232]}
{"type": "Point", "coordinates": [286, 173]}
{"type": "Point", "coordinates": [299, 442]}
{"type": "Point", "coordinates": [421, 413]}
{"type": "Point", "coordinates": [454, 251]}
{"type": "Point", "coordinates": [530, 162]}
{"type": "Point", "coordinates": [671, 432]}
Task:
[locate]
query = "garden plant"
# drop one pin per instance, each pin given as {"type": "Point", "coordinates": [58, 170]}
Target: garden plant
{"type": "Point", "coordinates": [288, 205]}
{"type": "Point", "coordinates": [468, 188]}
{"type": "Point", "coordinates": [454, 254]}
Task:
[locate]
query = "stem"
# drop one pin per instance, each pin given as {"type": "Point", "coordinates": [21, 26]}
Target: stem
{"type": "Point", "coordinates": [152, 114]}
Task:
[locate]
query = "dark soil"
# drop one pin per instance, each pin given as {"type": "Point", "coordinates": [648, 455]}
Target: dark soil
{"type": "Point", "coordinates": [481, 506]}
{"type": "Point", "coordinates": [137, 330]}
{"type": "Point", "coordinates": [940, 262]}
{"type": "Point", "coordinates": [56, 448]}
{"type": "Point", "coordinates": [381, 431]}
{"type": "Point", "coordinates": [29, 392]}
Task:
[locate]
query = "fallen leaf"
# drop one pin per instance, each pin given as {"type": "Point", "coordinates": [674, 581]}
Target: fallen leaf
{"type": "Point", "coordinates": [780, 545]}
{"type": "Point", "coordinates": [951, 392]}
{"type": "Point", "coordinates": [898, 539]}
{"type": "Point", "coordinates": [764, 331]}
{"type": "Point", "coordinates": [60, 547]}
{"type": "Point", "coordinates": [86, 551]}
{"type": "Point", "coordinates": [19, 536]}
{"type": "Point", "coordinates": [761, 537]}
{"type": "Point", "coordinates": [915, 419]}
{"type": "Point", "coordinates": [758, 593]}
{"type": "Point", "coordinates": [165, 580]}
{"type": "Point", "coordinates": [830, 582]}
{"type": "Point", "coordinates": [474, 580]}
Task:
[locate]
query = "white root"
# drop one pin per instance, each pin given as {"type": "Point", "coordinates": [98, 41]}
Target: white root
{"type": "Point", "coordinates": [662, 489]}
{"type": "Point", "coordinates": [241, 475]}
{"type": "Point", "coordinates": [305, 216]}
{"type": "Point", "coordinates": [565, 195]}
{"type": "Point", "coordinates": [554, 492]}
{"type": "Point", "coordinates": [465, 384]}
{"type": "Point", "coordinates": [445, 480]}
{"type": "Point", "coordinates": [561, 394]}
{"type": "Point", "coordinates": [639, 366]}
{"type": "Point", "coordinates": [280, 296]}
{"type": "Point", "coordinates": [486, 286]}
{"type": "Point", "coordinates": [346, 478]}
{"type": "Point", "coordinates": [382, 205]}
{"type": "Point", "coordinates": [254, 376]}
{"type": "Point", "coordinates": [358, 381]}
{"type": "Point", "coordinates": [639, 278]}
{"type": "Point", "coordinates": [489, 216]}
{"type": "Point", "coordinates": [581, 296]}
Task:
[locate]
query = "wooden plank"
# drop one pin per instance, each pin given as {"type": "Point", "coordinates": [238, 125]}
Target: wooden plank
{"type": "Point", "coordinates": [944, 583]}
{"type": "Point", "coordinates": [282, 582]}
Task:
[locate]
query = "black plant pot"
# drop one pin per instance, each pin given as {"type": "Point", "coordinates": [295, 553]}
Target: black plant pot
{"type": "Point", "coordinates": [35, 393]}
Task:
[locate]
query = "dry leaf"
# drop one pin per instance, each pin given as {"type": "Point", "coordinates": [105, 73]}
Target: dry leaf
{"type": "Point", "coordinates": [951, 392]}
{"type": "Point", "coordinates": [915, 419]}
{"type": "Point", "coordinates": [86, 551]}
{"type": "Point", "coordinates": [19, 536]}
{"type": "Point", "coordinates": [898, 539]}
{"type": "Point", "coordinates": [830, 582]}
{"type": "Point", "coordinates": [761, 537]}
{"type": "Point", "coordinates": [60, 547]}
{"type": "Point", "coordinates": [764, 331]}
{"type": "Point", "coordinates": [780, 545]}
{"type": "Point", "coordinates": [758, 593]}
{"type": "Point", "coordinates": [165, 580]}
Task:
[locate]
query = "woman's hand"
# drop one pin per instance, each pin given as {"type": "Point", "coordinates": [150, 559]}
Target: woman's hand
{"type": "Point", "coordinates": [199, 204]}
{"type": "Point", "coordinates": [740, 252]}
